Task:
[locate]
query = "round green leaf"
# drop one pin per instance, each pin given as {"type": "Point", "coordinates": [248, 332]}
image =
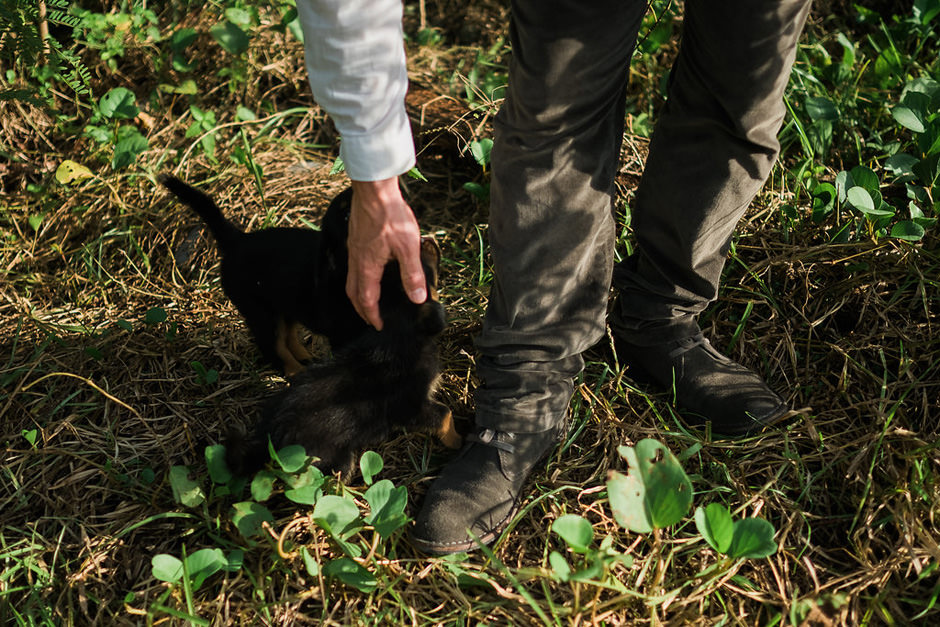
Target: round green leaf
{"type": "Point", "coordinates": [870, 204]}
{"type": "Point", "coordinates": [900, 164]}
{"type": "Point", "coordinates": [119, 103]}
{"type": "Point", "coordinates": [843, 183]}
{"type": "Point", "coordinates": [560, 567]}
{"type": "Point", "coordinates": [575, 531]}
{"type": "Point", "coordinates": [310, 562]}
{"type": "Point", "coordinates": [187, 87]}
{"type": "Point", "coordinates": [182, 38]}
{"type": "Point", "coordinates": [235, 560]}
{"type": "Point", "coordinates": [753, 538]}
{"type": "Point", "coordinates": [203, 563]}
{"type": "Point", "coordinates": [70, 171]}
{"type": "Point", "coordinates": [334, 514]}
{"type": "Point", "coordinates": [166, 568]}
{"type": "Point", "coordinates": [626, 502]}
{"type": "Point", "coordinates": [824, 199]}
{"type": "Point", "coordinates": [821, 108]}
{"type": "Point", "coordinates": [715, 524]}
{"type": "Point", "coordinates": [127, 149]}
{"type": "Point", "coordinates": [305, 495]}
{"type": "Point", "coordinates": [262, 485]}
{"type": "Point", "coordinates": [185, 491]}
{"type": "Point", "coordinates": [295, 28]}
{"type": "Point", "coordinates": [30, 435]}
{"type": "Point", "coordinates": [351, 574]}
{"type": "Point", "coordinates": [593, 572]}
{"type": "Point", "coordinates": [480, 191]}
{"type": "Point", "coordinates": [654, 494]}
{"type": "Point", "coordinates": [908, 230]}
{"type": "Point", "coordinates": [238, 16]}
{"type": "Point", "coordinates": [180, 64]}
{"type": "Point", "coordinates": [370, 464]}
{"type": "Point", "coordinates": [215, 457]}
{"type": "Point", "coordinates": [244, 113]}
{"type": "Point", "coordinates": [865, 177]}
{"type": "Point", "coordinates": [481, 149]}
{"type": "Point", "coordinates": [231, 37]}
{"type": "Point", "coordinates": [311, 476]}
{"type": "Point", "coordinates": [249, 516]}
{"type": "Point", "coordinates": [386, 507]}
{"type": "Point", "coordinates": [155, 315]}
{"type": "Point", "coordinates": [888, 62]}
{"type": "Point", "coordinates": [859, 198]}
{"type": "Point", "coordinates": [908, 118]}
{"type": "Point", "coordinates": [291, 458]}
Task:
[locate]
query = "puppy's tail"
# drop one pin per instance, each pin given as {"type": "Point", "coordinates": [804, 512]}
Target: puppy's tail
{"type": "Point", "coordinates": [223, 230]}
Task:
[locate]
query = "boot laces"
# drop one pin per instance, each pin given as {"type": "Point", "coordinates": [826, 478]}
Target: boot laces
{"type": "Point", "coordinates": [688, 343]}
{"type": "Point", "coordinates": [487, 437]}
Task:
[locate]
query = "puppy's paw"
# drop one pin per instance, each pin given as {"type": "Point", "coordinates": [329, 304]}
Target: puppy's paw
{"type": "Point", "coordinates": [447, 434]}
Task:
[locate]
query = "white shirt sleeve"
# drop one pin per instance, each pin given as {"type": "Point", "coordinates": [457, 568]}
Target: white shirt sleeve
{"type": "Point", "coordinates": [355, 57]}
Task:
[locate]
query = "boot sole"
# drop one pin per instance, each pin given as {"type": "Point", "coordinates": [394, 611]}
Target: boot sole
{"type": "Point", "coordinates": [463, 546]}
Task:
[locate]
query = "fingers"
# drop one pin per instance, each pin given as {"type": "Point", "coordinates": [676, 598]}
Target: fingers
{"type": "Point", "coordinates": [412, 276]}
{"type": "Point", "coordinates": [363, 287]}
{"type": "Point", "coordinates": [382, 228]}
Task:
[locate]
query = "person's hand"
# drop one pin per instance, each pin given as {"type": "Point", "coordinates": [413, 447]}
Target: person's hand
{"type": "Point", "coordinates": [382, 228]}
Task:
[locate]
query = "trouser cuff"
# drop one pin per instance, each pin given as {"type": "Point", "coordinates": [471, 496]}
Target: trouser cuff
{"type": "Point", "coordinates": [515, 423]}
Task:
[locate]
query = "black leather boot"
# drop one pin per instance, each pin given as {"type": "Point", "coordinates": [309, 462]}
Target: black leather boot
{"type": "Point", "coordinates": [479, 490]}
{"type": "Point", "coordinates": [707, 386]}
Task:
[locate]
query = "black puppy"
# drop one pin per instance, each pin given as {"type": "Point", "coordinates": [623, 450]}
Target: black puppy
{"type": "Point", "coordinates": [381, 382]}
{"type": "Point", "coordinates": [282, 278]}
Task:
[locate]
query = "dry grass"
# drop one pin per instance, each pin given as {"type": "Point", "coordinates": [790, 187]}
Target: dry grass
{"type": "Point", "coordinates": [847, 330]}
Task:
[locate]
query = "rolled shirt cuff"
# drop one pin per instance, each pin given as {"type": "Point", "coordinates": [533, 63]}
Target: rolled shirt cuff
{"type": "Point", "coordinates": [382, 153]}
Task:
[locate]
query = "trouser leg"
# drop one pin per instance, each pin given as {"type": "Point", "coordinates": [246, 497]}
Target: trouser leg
{"type": "Point", "coordinates": [556, 151]}
{"type": "Point", "coordinates": [713, 146]}
{"type": "Point", "coordinates": [551, 236]}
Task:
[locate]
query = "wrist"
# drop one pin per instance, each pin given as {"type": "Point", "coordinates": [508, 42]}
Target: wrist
{"type": "Point", "coordinates": [374, 194]}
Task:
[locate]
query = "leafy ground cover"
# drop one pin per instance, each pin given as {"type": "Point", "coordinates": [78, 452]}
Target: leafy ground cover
{"type": "Point", "coordinates": [122, 363]}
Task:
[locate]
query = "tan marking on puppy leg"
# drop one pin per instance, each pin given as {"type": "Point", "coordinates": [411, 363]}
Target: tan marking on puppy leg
{"type": "Point", "coordinates": [447, 434]}
{"type": "Point", "coordinates": [294, 345]}
{"type": "Point", "coordinates": [291, 365]}
{"type": "Point", "coordinates": [292, 368]}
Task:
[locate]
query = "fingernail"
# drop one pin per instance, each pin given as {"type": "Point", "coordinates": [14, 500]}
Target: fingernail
{"type": "Point", "coordinates": [418, 296]}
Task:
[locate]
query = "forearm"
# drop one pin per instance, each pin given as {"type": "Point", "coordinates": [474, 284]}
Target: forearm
{"type": "Point", "coordinates": [355, 61]}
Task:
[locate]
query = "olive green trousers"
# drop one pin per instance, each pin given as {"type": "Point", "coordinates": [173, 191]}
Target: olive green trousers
{"type": "Point", "coordinates": [556, 152]}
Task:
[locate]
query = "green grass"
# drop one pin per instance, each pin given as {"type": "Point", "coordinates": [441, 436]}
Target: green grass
{"type": "Point", "coordinates": [109, 299]}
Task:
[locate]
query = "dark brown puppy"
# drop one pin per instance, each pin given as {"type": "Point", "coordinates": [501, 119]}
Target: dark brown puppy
{"type": "Point", "coordinates": [379, 383]}
{"type": "Point", "coordinates": [282, 278]}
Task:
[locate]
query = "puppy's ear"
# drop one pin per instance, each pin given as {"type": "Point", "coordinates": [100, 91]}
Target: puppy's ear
{"type": "Point", "coordinates": [335, 229]}
{"type": "Point", "coordinates": [431, 261]}
{"type": "Point", "coordinates": [335, 222]}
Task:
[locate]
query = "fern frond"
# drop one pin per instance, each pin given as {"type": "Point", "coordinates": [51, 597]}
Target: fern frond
{"type": "Point", "coordinates": [79, 79]}
{"type": "Point", "coordinates": [62, 17]}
